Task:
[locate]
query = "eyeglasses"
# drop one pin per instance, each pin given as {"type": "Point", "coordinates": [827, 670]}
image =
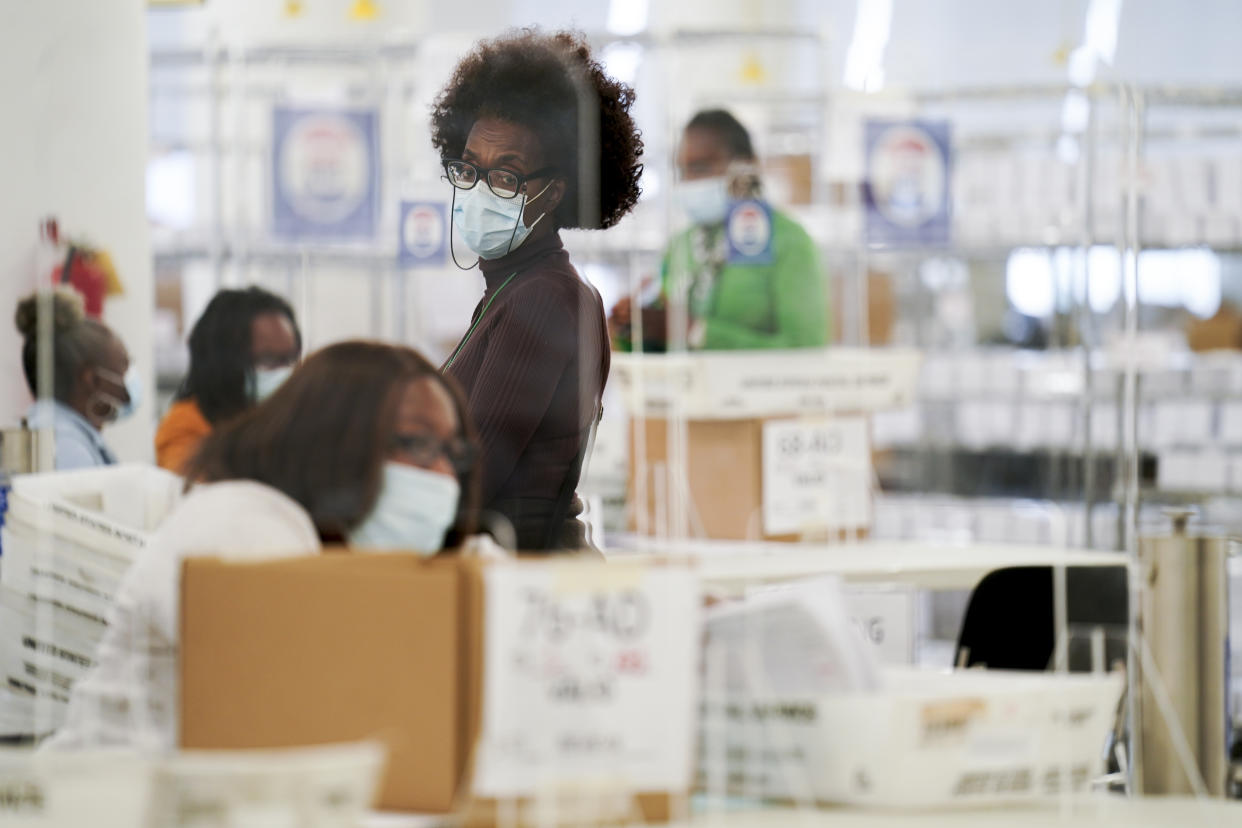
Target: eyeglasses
{"type": "Point", "coordinates": [425, 450]}
{"type": "Point", "coordinates": [505, 183]}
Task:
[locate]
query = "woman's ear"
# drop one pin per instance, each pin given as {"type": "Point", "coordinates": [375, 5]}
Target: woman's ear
{"type": "Point", "coordinates": [88, 378]}
{"type": "Point", "coordinates": [559, 187]}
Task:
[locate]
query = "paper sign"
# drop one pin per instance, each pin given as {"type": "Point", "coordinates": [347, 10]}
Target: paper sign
{"type": "Point", "coordinates": [587, 678]}
{"type": "Point", "coordinates": [325, 173]}
{"type": "Point", "coordinates": [742, 384]}
{"type": "Point", "coordinates": [816, 475]}
{"type": "Point", "coordinates": [906, 192]}
{"type": "Point", "coordinates": [424, 234]}
{"type": "Point", "coordinates": [885, 619]}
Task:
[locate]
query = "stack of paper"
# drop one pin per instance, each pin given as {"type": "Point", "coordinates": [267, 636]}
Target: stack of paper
{"type": "Point", "coordinates": [769, 663]}
{"type": "Point", "coordinates": [790, 640]}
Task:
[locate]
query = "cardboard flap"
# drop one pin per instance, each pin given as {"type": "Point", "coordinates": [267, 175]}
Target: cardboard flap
{"type": "Point", "coordinates": [336, 648]}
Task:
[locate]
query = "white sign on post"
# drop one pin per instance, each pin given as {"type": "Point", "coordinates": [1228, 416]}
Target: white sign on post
{"type": "Point", "coordinates": [589, 675]}
{"type": "Point", "coordinates": [816, 475]}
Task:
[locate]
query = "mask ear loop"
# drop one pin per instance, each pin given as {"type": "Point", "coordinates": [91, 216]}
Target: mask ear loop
{"type": "Point", "coordinates": [522, 212]}
{"type": "Point", "coordinates": [452, 219]}
{"type": "Point", "coordinates": [111, 402]}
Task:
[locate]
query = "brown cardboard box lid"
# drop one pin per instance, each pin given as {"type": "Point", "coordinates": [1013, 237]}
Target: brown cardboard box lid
{"type": "Point", "coordinates": [335, 648]}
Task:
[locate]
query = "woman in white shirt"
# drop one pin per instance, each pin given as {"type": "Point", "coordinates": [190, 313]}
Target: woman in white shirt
{"type": "Point", "coordinates": [365, 444]}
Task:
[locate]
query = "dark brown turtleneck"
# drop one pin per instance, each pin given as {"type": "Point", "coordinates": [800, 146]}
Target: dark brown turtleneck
{"type": "Point", "coordinates": [532, 370]}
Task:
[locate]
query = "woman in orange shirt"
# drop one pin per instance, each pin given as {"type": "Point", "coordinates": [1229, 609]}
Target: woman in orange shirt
{"type": "Point", "coordinates": [241, 349]}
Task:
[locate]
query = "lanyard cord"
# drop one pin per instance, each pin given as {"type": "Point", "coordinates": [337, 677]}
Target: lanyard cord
{"type": "Point", "coordinates": [482, 313]}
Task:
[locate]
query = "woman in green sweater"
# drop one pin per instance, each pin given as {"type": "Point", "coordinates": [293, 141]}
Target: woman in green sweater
{"type": "Point", "coordinates": [777, 303]}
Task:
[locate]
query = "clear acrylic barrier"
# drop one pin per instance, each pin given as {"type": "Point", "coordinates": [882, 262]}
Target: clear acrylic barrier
{"type": "Point", "coordinates": [1050, 414]}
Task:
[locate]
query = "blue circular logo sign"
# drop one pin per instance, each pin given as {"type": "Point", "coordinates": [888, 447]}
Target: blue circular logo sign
{"type": "Point", "coordinates": [423, 231]}
{"type": "Point", "coordinates": [750, 229]}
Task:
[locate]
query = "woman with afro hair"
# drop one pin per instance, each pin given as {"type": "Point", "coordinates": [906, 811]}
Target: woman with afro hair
{"type": "Point", "coordinates": [534, 137]}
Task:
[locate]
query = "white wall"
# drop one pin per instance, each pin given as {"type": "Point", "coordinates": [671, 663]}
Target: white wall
{"type": "Point", "coordinates": [980, 43]}
{"type": "Point", "coordinates": [250, 22]}
{"type": "Point", "coordinates": [73, 87]}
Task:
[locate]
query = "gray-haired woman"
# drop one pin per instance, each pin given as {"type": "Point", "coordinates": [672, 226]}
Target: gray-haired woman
{"type": "Point", "coordinates": [92, 381]}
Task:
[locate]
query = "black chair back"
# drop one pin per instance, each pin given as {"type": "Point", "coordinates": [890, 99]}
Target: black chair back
{"type": "Point", "coordinates": [1010, 624]}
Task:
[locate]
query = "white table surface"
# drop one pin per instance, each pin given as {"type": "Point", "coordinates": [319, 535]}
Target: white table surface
{"type": "Point", "coordinates": [733, 564]}
{"type": "Point", "coordinates": [1093, 812]}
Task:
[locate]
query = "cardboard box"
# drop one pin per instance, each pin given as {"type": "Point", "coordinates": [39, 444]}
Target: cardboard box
{"type": "Point", "coordinates": [790, 177]}
{"type": "Point", "coordinates": [722, 484]}
{"type": "Point", "coordinates": [338, 648]}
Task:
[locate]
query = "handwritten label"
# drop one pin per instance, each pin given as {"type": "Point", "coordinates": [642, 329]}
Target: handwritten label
{"type": "Point", "coordinates": [884, 617]}
{"type": "Point", "coordinates": [587, 678]}
{"type": "Point", "coordinates": [22, 796]}
{"type": "Point", "coordinates": [816, 475]}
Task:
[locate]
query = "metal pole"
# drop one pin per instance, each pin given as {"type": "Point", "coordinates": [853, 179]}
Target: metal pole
{"type": "Point", "coordinates": [216, 61]}
{"type": "Point", "coordinates": [1132, 110]}
{"type": "Point", "coordinates": [1086, 320]}
{"type": "Point", "coordinates": [1185, 623]}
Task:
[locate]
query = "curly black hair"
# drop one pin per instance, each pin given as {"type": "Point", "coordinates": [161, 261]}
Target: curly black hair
{"type": "Point", "coordinates": [533, 79]}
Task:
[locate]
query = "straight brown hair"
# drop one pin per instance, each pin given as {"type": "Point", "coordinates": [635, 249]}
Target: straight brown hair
{"type": "Point", "coordinates": [323, 438]}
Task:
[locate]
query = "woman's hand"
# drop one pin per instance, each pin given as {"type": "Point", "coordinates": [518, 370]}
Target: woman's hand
{"type": "Point", "coordinates": [621, 312]}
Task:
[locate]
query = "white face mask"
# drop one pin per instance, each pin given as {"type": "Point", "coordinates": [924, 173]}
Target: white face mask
{"type": "Point", "coordinates": [132, 383]}
{"type": "Point", "coordinates": [414, 510]}
{"type": "Point", "coordinates": [705, 200]}
{"type": "Point", "coordinates": [265, 381]}
{"type": "Point", "coordinates": [492, 226]}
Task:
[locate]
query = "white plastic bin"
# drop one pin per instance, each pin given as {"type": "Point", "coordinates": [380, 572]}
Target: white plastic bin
{"type": "Point", "coordinates": [927, 740]}
{"type": "Point", "coordinates": [69, 538]}
{"type": "Point", "coordinates": [331, 786]}
{"type": "Point", "coordinates": [42, 654]}
{"type": "Point", "coordinates": [103, 789]}
{"type": "Point", "coordinates": [111, 510]}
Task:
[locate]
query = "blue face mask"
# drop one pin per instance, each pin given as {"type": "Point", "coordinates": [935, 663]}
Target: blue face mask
{"type": "Point", "coordinates": [414, 510]}
{"type": "Point", "coordinates": [265, 381]}
{"type": "Point", "coordinates": [491, 226]}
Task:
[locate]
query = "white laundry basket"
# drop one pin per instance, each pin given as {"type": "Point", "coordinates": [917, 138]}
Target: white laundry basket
{"type": "Point", "coordinates": [331, 786]}
{"type": "Point", "coordinates": [925, 740]}
{"type": "Point", "coordinates": [103, 789]}
{"type": "Point", "coordinates": [110, 510]}
{"type": "Point", "coordinates": [69, 538]}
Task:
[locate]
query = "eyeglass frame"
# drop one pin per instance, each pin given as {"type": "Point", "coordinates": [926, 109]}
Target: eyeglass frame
{"type": "Point", "coordinates": [484, 174]}
{"type": "Point", "coordinates": [462, 454]}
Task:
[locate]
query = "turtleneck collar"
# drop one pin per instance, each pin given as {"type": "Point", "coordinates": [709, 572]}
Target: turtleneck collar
{"type": "Point", "coordinates": [496, 271]}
